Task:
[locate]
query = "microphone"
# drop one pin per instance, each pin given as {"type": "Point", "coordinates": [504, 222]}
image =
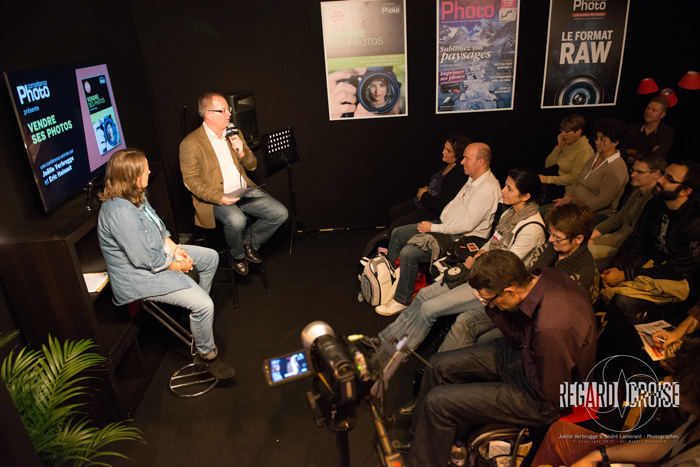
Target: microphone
{"type": "Point", "coordinates": [231, 130]}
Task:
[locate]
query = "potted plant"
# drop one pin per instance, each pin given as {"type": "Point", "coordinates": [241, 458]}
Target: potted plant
{"type": "Point", "coordinates": [44, 385]}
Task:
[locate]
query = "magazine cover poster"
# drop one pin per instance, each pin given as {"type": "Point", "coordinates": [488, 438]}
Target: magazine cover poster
{"type": "Point", "coordinates": [476, 57]}
{"type": "Point", "coordinates": [585, 46]}
{"type": "Point", "coordinates": [365, 49]}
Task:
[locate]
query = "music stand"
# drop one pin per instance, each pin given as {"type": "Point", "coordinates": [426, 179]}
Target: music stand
{"type": "Point", "coordinates": [280, 151]}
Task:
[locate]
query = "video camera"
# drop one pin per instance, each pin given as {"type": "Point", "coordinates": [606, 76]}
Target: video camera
{"type": "Point", "coordinates": [344, 375]}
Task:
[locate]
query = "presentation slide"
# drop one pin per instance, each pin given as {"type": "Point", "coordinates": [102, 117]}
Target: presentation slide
{"type": "Point", "coordinates": [69, 124]}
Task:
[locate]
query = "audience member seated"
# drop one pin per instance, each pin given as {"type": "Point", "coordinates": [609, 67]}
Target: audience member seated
{"type": "Point", "coordinates": [651, 135]}
{"type": "Point", "coordinates": [213, 168]}
{"type": "Point", "coordinates": [570, 226]}
{"type": "Point", "coordinates": [144, 262]}
{"type": "Point", "coordinates": [470, 213]}
{"type": "Point", "coordinates": [550, 338]}
{"type": "Point", "coordinates": [443, 186]}
{"type": "Point", "coordinates": [563, 443]}
{"type": "Point", "coordinates": [664, 339]}
{"type": "Point", "coordinates": [568, 157]}
{"type": "Point", "coordinates": [656, 261]}
{"type": "Point", "coordinates": [522, 218]}
{"type": "Point", "coordinates": [609, 234]}
{"type": "Point", "coordinates": [602, 180]}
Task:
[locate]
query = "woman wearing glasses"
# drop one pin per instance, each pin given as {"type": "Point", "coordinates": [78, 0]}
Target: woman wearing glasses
{"type": "Point", "coordinates": [567, 158]}
{"type": "Point", "coordinates": [570, 227]}
{"type": "Point", "coordinates": [603, 178]}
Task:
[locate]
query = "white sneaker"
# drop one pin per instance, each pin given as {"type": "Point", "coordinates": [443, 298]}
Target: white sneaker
{"type": "Point", "coordinates": [390, 308]}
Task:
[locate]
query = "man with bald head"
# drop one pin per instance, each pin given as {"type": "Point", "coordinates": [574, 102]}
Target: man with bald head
{"type": "Point", "coordinates": [470, 213]}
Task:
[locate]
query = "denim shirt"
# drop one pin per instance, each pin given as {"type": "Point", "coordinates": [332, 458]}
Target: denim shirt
{"type": "Point", "coordinates": [134, 249]}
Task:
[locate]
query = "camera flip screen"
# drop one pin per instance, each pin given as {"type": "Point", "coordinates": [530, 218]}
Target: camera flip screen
{"type": "Point", "coordinates": [287, 368]}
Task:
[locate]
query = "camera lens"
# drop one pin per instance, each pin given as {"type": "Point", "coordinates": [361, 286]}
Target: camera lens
{"type": "Point", "coordinates": [580, 90]}
{"type": "Point", "coordinates": [378, 90]}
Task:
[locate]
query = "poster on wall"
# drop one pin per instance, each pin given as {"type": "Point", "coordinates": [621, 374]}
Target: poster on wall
{"type": "Point", "coordinates": [365, 49]}
{"type": "Point", "coordinates": [476, 57]}
{"type": "Point", "coordinates": [585, 46]}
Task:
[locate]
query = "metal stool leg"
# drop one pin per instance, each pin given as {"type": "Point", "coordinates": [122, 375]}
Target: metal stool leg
{"type": "Point", "coordinates": [264, 275]}
{"type": "Point", "coordinates": [229, 258]}
{"type": "Point", "coordinates": [188, 376]}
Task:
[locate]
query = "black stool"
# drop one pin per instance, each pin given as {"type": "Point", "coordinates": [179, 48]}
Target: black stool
{"type": "Point", "coordinates": [215, 239]}
{"type": "Point", "coordinates": [188, 381]}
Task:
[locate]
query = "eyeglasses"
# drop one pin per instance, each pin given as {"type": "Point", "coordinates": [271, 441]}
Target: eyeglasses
{"type": "Point", "coordinates": [556, 239]}
{"type": "Point", "coordinates": [602, 140]}
{"type": "Point", "coordinates": [230, 110]}
{"type": "Point", "coordinates": [640, 172]}
{"type": "Point", "coordinates": [670, 179]}
{"type": "Point", "coordinates": [485, 301]}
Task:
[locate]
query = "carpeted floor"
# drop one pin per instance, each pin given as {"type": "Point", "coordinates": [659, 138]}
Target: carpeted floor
{"type": "Point", "coordinates": [245, 422]}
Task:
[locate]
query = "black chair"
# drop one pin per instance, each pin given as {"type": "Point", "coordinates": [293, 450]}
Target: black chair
{"type": "Point", "coordinates": [215, 239]}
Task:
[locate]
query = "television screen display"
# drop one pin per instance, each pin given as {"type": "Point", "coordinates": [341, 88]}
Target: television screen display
{"type": "Point", "coordinates": [70, 125]}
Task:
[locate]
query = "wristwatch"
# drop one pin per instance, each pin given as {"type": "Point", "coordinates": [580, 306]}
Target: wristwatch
{"type": "Point", "coordinates": [604, 454]}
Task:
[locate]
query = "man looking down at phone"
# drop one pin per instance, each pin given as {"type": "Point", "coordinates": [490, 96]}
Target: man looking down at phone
{"type": "Point", "coordinates": [549, 338]}
{"type": "Point", "coordinates": [213, 165]}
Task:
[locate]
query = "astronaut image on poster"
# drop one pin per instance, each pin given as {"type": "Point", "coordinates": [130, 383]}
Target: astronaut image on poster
{"type": "Point", "coordinates": [476, 57]}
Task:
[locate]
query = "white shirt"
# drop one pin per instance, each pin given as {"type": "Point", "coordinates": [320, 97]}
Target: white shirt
{"type": "Point", "coordinates": [471, 212]}
{"type": "Point", "coordinates": [232, 177]}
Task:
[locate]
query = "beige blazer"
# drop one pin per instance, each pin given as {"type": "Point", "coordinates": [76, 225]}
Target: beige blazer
{"type": "Point", "coordinates": [201, 174]}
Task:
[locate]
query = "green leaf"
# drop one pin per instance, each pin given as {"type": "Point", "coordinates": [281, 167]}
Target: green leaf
{"type": "Point", "coordinates": [44, 386]}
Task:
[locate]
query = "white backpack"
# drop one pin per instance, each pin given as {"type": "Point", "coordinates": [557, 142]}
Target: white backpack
{"type": "Point", "coordinates": [377, 281]}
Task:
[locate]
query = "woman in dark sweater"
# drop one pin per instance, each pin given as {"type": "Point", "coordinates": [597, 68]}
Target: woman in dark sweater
{"type": "Point", "coordinates": [440, 190]}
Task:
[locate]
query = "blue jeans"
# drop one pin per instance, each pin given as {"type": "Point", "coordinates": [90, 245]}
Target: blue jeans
{"type": "Point", "coordinates": [632, 307]}
{"type": "Point", "coordinates": [411, 259]}
{"type": "Point", "coordinates": [269, 214]}
{"type": "Point", "coordinates": [431, 302]}
{"type": "Point", "coordinates": [471, 325]}
{"type": "Point", "coordinates": [480, 384]}
{"type": "Point", "coordinates": [196, 298]}
{"type": "Point", "coordinates": [399, 238]}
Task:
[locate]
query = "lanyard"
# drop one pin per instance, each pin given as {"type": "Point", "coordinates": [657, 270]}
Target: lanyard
{"type": "Point", "coordinates": [154, 217]}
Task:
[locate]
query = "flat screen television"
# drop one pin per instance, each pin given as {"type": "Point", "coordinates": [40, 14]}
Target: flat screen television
{"type": "Point", "coordinates": [70, 125]}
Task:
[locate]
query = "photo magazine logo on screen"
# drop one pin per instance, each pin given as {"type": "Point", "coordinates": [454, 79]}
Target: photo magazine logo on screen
{"type": "Point", "coordinates": [33, 92]}
{"type": "Point", "coordinates": [618, 394]}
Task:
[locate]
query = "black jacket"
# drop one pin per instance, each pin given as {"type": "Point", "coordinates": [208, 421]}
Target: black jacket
{"type": "Point", "coordinates": [676, 254]}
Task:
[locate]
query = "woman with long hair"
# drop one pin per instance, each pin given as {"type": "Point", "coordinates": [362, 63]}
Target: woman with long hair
{"type": "Point", "coordinates": [144, 262]}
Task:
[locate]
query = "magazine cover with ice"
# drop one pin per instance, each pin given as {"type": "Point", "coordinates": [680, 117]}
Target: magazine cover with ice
{"type": "Point", "coordinates": [476, 54]}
